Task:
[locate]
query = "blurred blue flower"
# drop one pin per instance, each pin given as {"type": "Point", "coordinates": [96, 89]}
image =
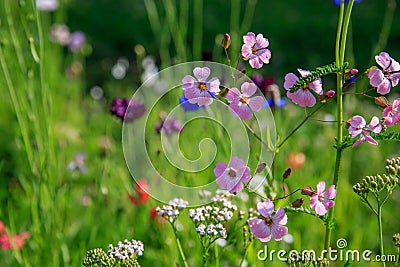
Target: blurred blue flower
{"type": "Point", "coordinates": [78, 163]}
{"type": "Point", "coordinates": [271, 103]}
{"type": "Point", "coordinates": [337, 2]}
{"type": "Point", "coordinates": [186, 105]}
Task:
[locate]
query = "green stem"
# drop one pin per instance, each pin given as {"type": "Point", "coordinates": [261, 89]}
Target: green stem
{"type": "Point", "coordinates": [380, 230]}
{"type": "Point", "coordinates": [205, 255]}
{"type": "Point", "coordinates": [178, 243]}
{"type": "Point", "coordinates": [301, 124]}
{"type": "Point", "coordinates": [340, 49]}
{"type": "Point", "coordinates": [216, 250]}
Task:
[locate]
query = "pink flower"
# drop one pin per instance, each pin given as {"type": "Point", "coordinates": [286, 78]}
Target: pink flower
{"type": "Point", "coordinates": [241, 105]}
{"type": "Point", "coordinates": [200, 92]}
{"type": "Point", "coordinates": [303, 96]}
{"type": "Point", "coordinates": [387, 76]}
{"type": "Point", "coordinates": [321, 200]}
{"type": "Point", "coordinates": [255, 49]}
{"type": "Point", "coordinates": [357, 125]}
{"type": "Point", "coordinates": [269, 225]}
{"type": "Point", "coordinates": [18, 239]}
{"type": "Point", "coordinates": [391, 114]}
{"type": "Point", "coordinates": [231, 177]}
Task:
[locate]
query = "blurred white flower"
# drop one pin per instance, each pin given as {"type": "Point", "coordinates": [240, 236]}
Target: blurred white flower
{"type": "Point", "coordinates": [47, 5]}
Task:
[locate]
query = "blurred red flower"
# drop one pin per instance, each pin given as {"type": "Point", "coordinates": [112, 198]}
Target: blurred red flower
{"type": "Point", "coordinates": [141, 196]}
{"type": "Point", "coordinates": [18, 239]}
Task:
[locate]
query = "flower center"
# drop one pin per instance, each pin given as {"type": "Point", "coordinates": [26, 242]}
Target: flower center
{"type": "Point", "coordinates": [232, 173]}
{"type": "Point", "coordinates": [202, 86]}
{"type": "Point", "coordinates": [254, 50]}
{"type": "Point", "coordinates": [244, 100]}
{"type": "Point", "coordinates": [268, 221]}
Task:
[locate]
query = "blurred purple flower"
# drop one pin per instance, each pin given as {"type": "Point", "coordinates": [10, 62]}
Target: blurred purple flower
{"type": "Point", "coordinates": [47, 5]}
{"type": "Point", "coordinates": [255, 49]}
{"type": "Point", "coordinates": [78, 163]}
{"type": "Point", "coordinates": [269, 226]}
{"type": "Point", "coordinates": [77, 41]}
{"type": "Point", "coordinates": [127, 111]}
{"type": "Point", "coordinates": [169, 126]}
{"type": "Point", "coordinates": [321, 200]}
{"type": "Point", "coordinates": [387, 76]}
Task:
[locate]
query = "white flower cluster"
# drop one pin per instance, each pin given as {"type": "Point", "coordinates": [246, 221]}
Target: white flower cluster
{"type": "Point", "coordinates": [171, 211]}
{"type": "Point", "coordinates": [217, 230]}
{"type": "Point", "coordinates": [126, 250]}
{"type": "Point", "coordinates": [209, 218]}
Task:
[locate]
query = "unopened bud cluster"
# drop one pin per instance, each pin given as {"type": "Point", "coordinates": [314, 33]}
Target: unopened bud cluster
{"type": "Point", "coordinates": [375, 184]}
{"type": "Point", "coordinates": [125, 254]}
{"type": "Point", "coordinates": [248, 236]}
{"type": "Point", "coordinates": [393, 166]}
{"type": "Point", "coordinates": [97, 257]}
{"type": "Point", "coordinates": [293, 262]}
{"type": "Point", "coordinates": [171, 211]}
{"type": "Point", "coordinates": [396, 239]}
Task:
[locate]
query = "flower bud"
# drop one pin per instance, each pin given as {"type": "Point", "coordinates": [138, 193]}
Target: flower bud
{"type": "Point", "coordinates": [261, 167]}
{"type": "Point", "coordinates": [330, 94]}
{"type": "Point", "coordinates": [287, 173]}
{"type": "Point", "coordinates": [381, 101]}
{"type": "Point", "coordinates": [226, 42]}
{"type": "Point", "coordinates": [396, 239]}
{"type": "Point", "coordinates": [297, 203]}
{"type": "Point", "coordinates": [308, 191]}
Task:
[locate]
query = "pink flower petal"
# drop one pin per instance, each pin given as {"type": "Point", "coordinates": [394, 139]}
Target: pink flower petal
{"type": "Point", "coordinates": [248, 89]}
{"type": "Point", "coordinates": [328, 203]}
{"type": "Point", "coordinates": [260, 229]}
{"type": "Point", "coordinates": [247, 51]}
{"type": "Point", "coordinates": [246, 175]}
{"type": "Point", "coordinates": [376, 77]}
{"type": "Point", "coordinates": [303, 98]}
{"type": "Point", "coordinates": [303, 73]}
{"type": "Point", "coordinates": [384, 87]}
{"type": "Point", "coordinates": [188, 82]}
{"type": "Point", "coordinates": [236, 189]}
{"type": "Point", "coordinates": [359, 141]}
{"type": "Point", "coordinates": [255, 63]}
{"type": "Point", "coordinates": [266, 208]}
{"type": "Point", "coordinates": [265, 55]}
{"type": "Point", "coordinates": [320, 209]}
{"type": "Point", "coordinates": [280, 217]}
{"type": "Point", "coordinates": [240, 110]}
{"type": "Point", "coordinates": [313, 201]}
{"type": "Point", "coordinates": [316, 86]}
{"type": "Point", "coordinates": [204, 101]}
{"type": "Point", "coordinates": [383, 60]}
{"type": "Point", "coordinates": [320, 187]}
{"type": "Point", "coordinates": [236, 162]}
{"type": "Point", "coordinates": [233, 94]}
{"type": "Point", "coordinates": [369, 139]}
{"type": "Point", "coordinates": [278, 232]}
{"type": "Point", "coordinates": [261, 41]}
{"type": "Point", "coordinates": [219, 169]}
{"type": "Point", "coordinates": [201, 73]}
{"type": "Point", "coordinates": [375, 125]}
{"type": "Point", "coordinates": [249, 39]}
{"type": "Point", "coordinates": [290, 80]}
{"type": "Point", "coordinates": [213, 85]}
{"type": "Point", "coordinates": [256, 103]}
{"type": "Point", "coordinates": [330, 193]}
